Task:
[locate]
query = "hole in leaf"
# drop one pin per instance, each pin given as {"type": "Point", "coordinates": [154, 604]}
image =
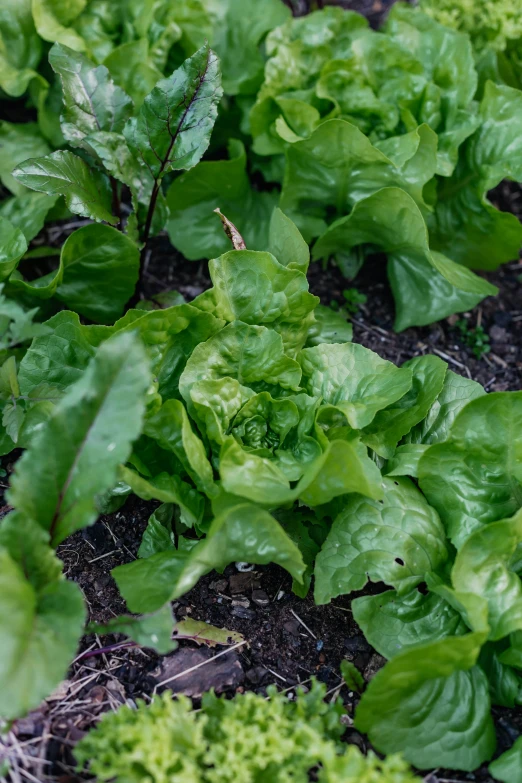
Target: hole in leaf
{"type": "Point", "coordinates": [399, 560]}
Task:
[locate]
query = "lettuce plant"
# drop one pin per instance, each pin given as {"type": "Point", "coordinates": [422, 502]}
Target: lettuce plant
{"type": "Point", "coordinates": [343, 115]}
{"type": "Point", "coordinates": [248, 738]}
{"type": "Point", "coordinates": [488, 24]}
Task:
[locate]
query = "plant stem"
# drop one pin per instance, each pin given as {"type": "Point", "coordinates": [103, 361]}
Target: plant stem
{"type": "Point", "coordinates": [150, 212]}
{"type": "Point", "coordinates": [101, 650]}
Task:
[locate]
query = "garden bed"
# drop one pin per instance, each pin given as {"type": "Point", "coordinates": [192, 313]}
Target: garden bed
{"type": "Point", "coordinates": [288, 639]}
{"type": "Point", "coordinates": [279, 638]}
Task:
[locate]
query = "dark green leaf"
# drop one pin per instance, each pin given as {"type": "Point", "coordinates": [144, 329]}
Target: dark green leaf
{"type": "Point", "coordinates": [397, 541]}
{"type": "Point", "coordinates": [173, 127]}
{"type": "Point", "coordinates": [86, 191]}
{"type": "Point", "coordinates": [100, 271]}
{"type": "Point", "coordinates": [432, 704]}
{"type": "Point", "coordinates": [89, 435]}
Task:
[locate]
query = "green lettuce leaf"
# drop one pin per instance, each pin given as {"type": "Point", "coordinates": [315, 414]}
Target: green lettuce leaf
{"type": "Point", "coordinates": [394, 624]}
{"type": "Point", "coordinates": [426, 285]}
{"type": "Point", "coordinates": [432, 704]}
{"type": "Point", "coordinates": [20, 47]}
{"type": "Point", "coordinates": [167, 489]}
{"type": "Point", "coordinates": [475, 476]}
{"type": "Point", "coordinates": [509, 766]}
{"type": "Point", "coordinates": [455, 395]}
{"type": "Point", "coordinates": [483, 567]}
{"type": "Point", "coordinates": [465, 224]}
{"type": "Point", "coordinates": [243, 533]}
{"type": "Point", "coordinates": [53, 20]}
{"type": "Point", "coordinates": [353, 379]}
{"type": "Point", "coordinates": [153, 631]}
{"type": "Point", "coordinates": [395, 421]}
{"type": "Point", "coordinates": [338, 166]}
{"type": "Point", "coordinates": [396, 540]}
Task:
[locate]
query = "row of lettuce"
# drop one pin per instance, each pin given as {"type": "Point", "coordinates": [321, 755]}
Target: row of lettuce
{"type": "Point", "coordinates": [269, 437]}
{"type": "Point", "coordinates": [372, 142]}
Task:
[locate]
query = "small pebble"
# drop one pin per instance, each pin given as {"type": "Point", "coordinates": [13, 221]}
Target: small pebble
{"type": "Point", "coordinates": [241, 601]}
{"type": "Point", "coordinates": [245, 614]}
{"type": "Point", "coordinates": [260, 598]}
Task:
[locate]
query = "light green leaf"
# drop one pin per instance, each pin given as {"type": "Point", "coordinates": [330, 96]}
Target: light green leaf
{"type": "Point", "coordinates": [28, 212]}
{"type": "Point", "coordinates": [54, 19]}
{"type": "Point", "coordinates": [153, 631]}
{"type": "Point", "coordinates": [255, 288]}
{"type": "Point", "coordinates": [393, 624]}
{"type": "Point", "coordinates": [12, 247]}
{"type": "Point", "coordinates": [248, 354]}
{"type": "Point", "coordinates": [40, 632]}
{"type": "Point", "coordinates": [455, 395]}
{"type": "Point", "coordinates": [173, 127]}
{"type": "Point", "coordinates": [426, 286]}
{"type": "Point", "coordinates": [86, 191]}
{"type": "Point", "coordinates": [482, 567]}
{"type": "Point", "coordinates": [90, 432]}
{"type": "Point", "coordinates": [243, 533]}
{"type": "Point", "coordinates": [172, 430]}
{"type": "Point", "coordinates": [344, 467]}
{"type": "Point", "coordinates": [239, 27]}
{"type": "Point", "coordinates": [432, 704]}
{"type": "Point", "coordinates": [147, 584]}
{"type": "Point", "coordinates": [475, 476]}
{"type": "Point", "coordinates": [286, 243]}
{"type": "Point", "coordinates": [353, 379]}
{"type": "Point", "coordinates": [17, 143]}
{"type": "Point", "coordinates": [158, 533]}
{"type": "Point", "coordinates": [465, 224]}
{"type": "Point", "coordinates": [508, 767]}
{"type": "Point", "coordinates": [20, 47]}
{"type": "Point", "coordinates": [329, 326]}
{"type": "Point", "coordinates": [395, 421]}
{"type": "Point", "coordinates": [203, 633]}
{"type": "Point", "coordinates": [167, 489]}
{"type": "Point", "coordinates": [100, 271]}
{"type": "Point", "coordinates": [504, 683]}
{"type": "Point", "coordinates": [396, 540]}
{"type": "Point", "coordinates": [405, 461]}
{"type": "Point", "coordinates": [193, 227]}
